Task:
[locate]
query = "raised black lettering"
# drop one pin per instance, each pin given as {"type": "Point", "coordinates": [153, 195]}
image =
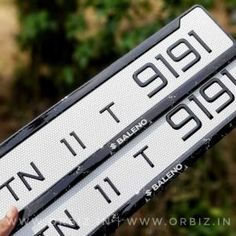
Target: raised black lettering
{"type": "Point", "coordinates": [58, 224]}
{"type": "Point", "coordinates": [223, 90]}
{"type": "Point", "coordinates": [7, 185]}
{"type": "Point", "coordinates": [190, 49]}
{"type": "Point", "coordinates": [197, 37]}
{"type": "Point", "coordinates": [41, 232]}
{"type": "Point", "coordinates": [200, 105]}
{"type": "Point", "coordinates": [191, 116]}
{"type": "Point", "coordinates": [107, 180]}
{"type": "Point", "coordinates": [229, 75]}
{"type": "Point", "coordinates": [168, 65]}
{"type": "Point", "coordinates": [141, 153]}
{"type": "Point", "coordinates": [108, 108]}
{"type": "Point", "coordinates": [157, 75]}
{"type": "Point", "coordinates": [23, 175]}
{"type": "Point", "coordinates": [75, 136]}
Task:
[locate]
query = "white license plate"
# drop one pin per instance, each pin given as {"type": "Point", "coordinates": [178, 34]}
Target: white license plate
{"type": "Point", "coordinates": [145, 164]}
{"type": "Point", "coordinates": [46, 150]}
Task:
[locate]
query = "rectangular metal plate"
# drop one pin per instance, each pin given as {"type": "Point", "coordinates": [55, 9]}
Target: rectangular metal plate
{"type": "Point", "coordinates": [52, 145]}
{"type": "Point", "coordinates": [145, 164]}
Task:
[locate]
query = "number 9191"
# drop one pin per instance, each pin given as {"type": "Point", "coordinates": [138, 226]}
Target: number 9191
{"type": "Point", "coordinates": [191, 116]}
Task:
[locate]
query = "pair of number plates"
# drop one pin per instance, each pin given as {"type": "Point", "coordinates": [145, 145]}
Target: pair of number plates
{"type": "Point", "coordinates": [94, 158]}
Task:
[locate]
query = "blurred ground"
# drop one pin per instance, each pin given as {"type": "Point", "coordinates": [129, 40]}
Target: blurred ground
{"type": "Point", "coordinates": [8, 47]}
{"type": "Point", "coordinates": [8, 58]}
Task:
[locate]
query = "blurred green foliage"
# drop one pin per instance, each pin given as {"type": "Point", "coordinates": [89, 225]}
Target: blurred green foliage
{"type": "Point", "coordinates": [62, 53]}
{"type": "Point", "coordinates": [177, 7]}
{"type": "Point", "coordinates": [231, 4]}
{"type": "Point", "coordinates": [54, 33]}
